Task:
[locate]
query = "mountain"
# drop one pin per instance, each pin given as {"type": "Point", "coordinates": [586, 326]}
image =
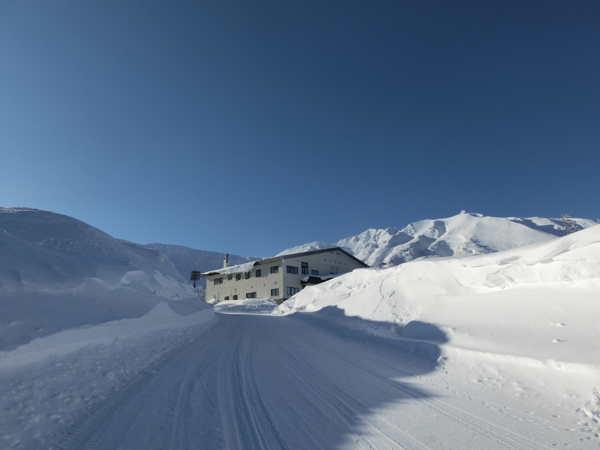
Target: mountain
{"type": "Point", "coordinates": [519, 302]}
{"type": "Point", "coordinates": [463, 234]}
{"type": "Point", "coordinates": [43, 250]}
{"type": "Point", "coordinates": [57, 272]}
{"type": "Point", "coordinates": [187, 259]}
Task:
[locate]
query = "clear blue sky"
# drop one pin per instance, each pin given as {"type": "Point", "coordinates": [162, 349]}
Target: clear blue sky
{"type": "Point", "coordinates": [251, 127]}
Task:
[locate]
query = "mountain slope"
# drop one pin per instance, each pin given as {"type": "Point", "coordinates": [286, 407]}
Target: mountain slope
{"type": "Point", "coordinates": [42, 250]}
{"type": "Point", "coordinates": [185, 258]}
{"type": "Point", "coordinates": [57, 272]}
{"type": "Point", "coordinates": [463, 234]}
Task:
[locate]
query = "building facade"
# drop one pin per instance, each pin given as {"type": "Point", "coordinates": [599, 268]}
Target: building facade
{"type": "Point", "coordinates": [280, 277]}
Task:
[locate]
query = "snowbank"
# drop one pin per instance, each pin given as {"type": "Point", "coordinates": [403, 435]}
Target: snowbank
{"type": "Point", "coordinates": [47, 383]}
{"type": "Point", "coordinates": [538, 302]}
{"type": "Point", "coordinates": [249, 306]}
{"type": "Point", "coordinates": [518, 330]}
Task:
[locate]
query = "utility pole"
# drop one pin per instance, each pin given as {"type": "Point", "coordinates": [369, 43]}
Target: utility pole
{"type": "Point", "coordinates": [569, 224]}
{"type": "Point", "coordinates": [196, 273]}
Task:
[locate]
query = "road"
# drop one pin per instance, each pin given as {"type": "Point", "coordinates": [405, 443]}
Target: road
{"type": "Point", "coordinates": [265, 382]}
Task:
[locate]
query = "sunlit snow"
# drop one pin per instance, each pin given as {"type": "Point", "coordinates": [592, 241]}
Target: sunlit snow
{"type": "Point", "coordinates": [100, 348]}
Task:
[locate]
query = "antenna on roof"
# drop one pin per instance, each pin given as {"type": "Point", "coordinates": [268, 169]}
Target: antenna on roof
{"type": "Point", "coordinates": [569, 224]}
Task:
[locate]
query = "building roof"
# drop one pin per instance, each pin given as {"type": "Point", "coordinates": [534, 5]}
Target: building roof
{"type": "Point", "coordinates": [246, 267]}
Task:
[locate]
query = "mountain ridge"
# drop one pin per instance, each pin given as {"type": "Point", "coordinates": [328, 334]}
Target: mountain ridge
{"type": "Point", "coordinates": [462, 234]}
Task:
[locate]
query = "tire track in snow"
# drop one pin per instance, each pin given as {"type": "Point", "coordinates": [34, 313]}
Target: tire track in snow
{"type": "Point", "coordinates": [260, 382]}
{"type": "Point", "coordinates": [348, 408]}
{"type": "Point", "coordinates": [504, 437]}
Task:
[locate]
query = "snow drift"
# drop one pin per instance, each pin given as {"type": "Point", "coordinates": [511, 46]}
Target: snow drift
{"type": "Point", "coordinates": [539, 301]}
{"type": "Point", "coordinates": [518, 329]}
{"type": "Point", "coordinates": [57, 272]}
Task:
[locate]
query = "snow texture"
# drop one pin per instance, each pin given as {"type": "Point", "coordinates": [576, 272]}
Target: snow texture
{"type": "Point", "coordinates": [185, 259]}
{"type": "Point", "coordinates": [493, 350]}
{"type": "Point", "coordinates": [57, 272]}
{"type": "Point", "coordinates": [245, 267]}
{"type": "Point", "coordinates": [463, 234]}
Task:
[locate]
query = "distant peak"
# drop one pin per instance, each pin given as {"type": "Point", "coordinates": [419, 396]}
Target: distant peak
{"type": "Point", "coordinates": [16, 209]}
{"type": "Point", "coordinates": [471, 214]}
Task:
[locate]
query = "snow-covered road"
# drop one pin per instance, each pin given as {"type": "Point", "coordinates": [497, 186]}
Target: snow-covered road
{"type": "Point", "coordinates": [267, 382]}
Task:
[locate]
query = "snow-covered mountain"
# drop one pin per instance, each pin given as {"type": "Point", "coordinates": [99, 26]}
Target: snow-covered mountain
{"type": "Point", "coordinates": [463, 234]}
{"type": "Point", "coordinates": [185, 258]}
{"type": "Point", "coordinates": [43, 250]}
{"type": "Point", "coordinates": [57, 272]}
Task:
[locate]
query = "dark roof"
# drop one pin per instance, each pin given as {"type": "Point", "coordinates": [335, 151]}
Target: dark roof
{"type": "Point", "coordinates": [292, 255]}
{"type": "Point", "coordinates": [314, 252]}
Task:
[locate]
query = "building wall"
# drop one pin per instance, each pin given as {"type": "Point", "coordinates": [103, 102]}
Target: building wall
{"type": "Point", "coordinates": [326, 263]}
{"type": "Point", "coordinates": [261, 285]}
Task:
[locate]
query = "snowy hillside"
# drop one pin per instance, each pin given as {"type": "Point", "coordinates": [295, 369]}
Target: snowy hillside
{"type": "Point", "coordinates": [490, 351]}
{"type": "Point", "coordinates": [538, 301]}
{"type": "Point", "coordinates": [43, 250]}
{"type": "Point", "coordinates": [57, 272]}
{"type": "Point", "coordinates": [185, 258]}
{"type": "Point", "coordinates": [518, 328]}
{"type": "Point", "coordinates": [316, 245]}
{"type": "Point", "coordinates": [463, 234]}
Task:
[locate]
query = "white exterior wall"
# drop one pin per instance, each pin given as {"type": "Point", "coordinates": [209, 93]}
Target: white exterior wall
{"type": "Point", "coordinates": [325, 263]}
{"type": "Point", "coordinates": [261, 285]}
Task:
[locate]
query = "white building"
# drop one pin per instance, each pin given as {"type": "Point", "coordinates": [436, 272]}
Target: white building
{"type": "Point", "coordinates": [280, 277]}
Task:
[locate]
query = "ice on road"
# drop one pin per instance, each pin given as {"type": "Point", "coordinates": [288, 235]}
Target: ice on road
{"type": "Point", "coordinates": [267, 382]}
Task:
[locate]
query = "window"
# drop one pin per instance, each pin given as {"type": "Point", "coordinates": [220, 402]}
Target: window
{"type": "Point", "coordinates": [275, 269]}
{"type": "Point", "coordinates": [227, 298]}
{"type": "Point", "coordinates": [275, 292]}
{"type": "Point", "coordinates": [238, 276]}
{"type": "Point", "coordinates": [292, 290]}
{"type": "Point", "coordinates": [314, 272]}
{"type": "Point", "coordinates": [247, 275]}
{"type": "Point", "coordinates": [333, 269]}
{"type": "Point", "coordinates": [257, 273]}
{"type": "Point", "coordinates": [304, 268]}
{"type": "Point", "coordinates": [291, 269]}
{"type": "Point", "coordinates": [229, 277]}
{"type": "Point", "coordinates": [251, 295]}
{"type": "Point", "coordinates": [235, 297]}
{"type": "Point", "coordinates": [218, 281]}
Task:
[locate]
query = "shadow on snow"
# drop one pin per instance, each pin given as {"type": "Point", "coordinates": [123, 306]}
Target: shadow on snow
{"type": "Point", "coordinates": [306, 381]}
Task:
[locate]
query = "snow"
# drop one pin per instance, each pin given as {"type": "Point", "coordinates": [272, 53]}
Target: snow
{"type": "Point", "coordinates": [187, 259]}
{"type": "Point", "coordinates": [46, 251]}
{"type": "Point", "coordinates": [57, 272]}
{"type": "Point", "coordinates": [67, 341]}
{"type": "Point", "coordinates": [514, 298]}
{"type": "Point", "coordinates": [311, 246]}
{"type": "Point", "coordinates": [245, 267]}
{"type": "Point", "coordinates": [248, 306]}
{"type": "Point", "coordinates": [477, 349]}
{"type": "Point", "coordinates": [49, 382]}
{"type": "Point", "coordinates": [463, 234]}
{"type": "Point", "coordinates": [522, 322]}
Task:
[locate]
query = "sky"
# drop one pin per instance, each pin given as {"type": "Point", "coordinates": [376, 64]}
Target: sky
{"type": "Point", "coordinates": [252, 127]}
